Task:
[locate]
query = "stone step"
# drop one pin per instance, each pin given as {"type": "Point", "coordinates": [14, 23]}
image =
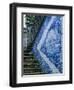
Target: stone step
{"type": "Point", "coordinates": [28, 49]}
{"type": "Point", "coordinates": [33, 73]}
{"type": "Point", "coordinates": [26, 63]}
{"type": "Point", "coordinates": [28, 54]}
{"type": "Point", "coordinates": [30, 61]}
{"type": "Point", "coordinates": [26, 57]}
{"type": "Point", "coordinates": [32, 69]}
{"type": "Point", "coordinates": [31, 66]}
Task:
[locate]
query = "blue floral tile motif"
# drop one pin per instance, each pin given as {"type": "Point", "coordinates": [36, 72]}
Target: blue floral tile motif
{"type": "Point", "coordinates": [48, 45]}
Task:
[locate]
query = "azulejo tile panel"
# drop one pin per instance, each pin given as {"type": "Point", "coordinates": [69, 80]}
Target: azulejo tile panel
{"type": "Point", "coordinates": [48, 45]}
{"type": "Point", "coordinates": [43, 51]}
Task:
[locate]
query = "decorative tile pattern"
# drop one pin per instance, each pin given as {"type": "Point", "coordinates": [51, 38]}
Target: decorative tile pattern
{"type": "Point", "coordinates": [47, 48]}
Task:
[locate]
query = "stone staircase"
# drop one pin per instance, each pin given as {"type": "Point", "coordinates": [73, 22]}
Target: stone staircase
{"type": "Point", "coordinates": [31, 66]}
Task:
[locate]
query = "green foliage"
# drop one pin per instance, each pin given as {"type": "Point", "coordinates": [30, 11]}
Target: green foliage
{"type": "Point", "coordinates": [33, 21]}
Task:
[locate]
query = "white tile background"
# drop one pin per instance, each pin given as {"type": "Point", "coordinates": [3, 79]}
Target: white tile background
{"type": "Point", "coordinates": [4, 43]}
